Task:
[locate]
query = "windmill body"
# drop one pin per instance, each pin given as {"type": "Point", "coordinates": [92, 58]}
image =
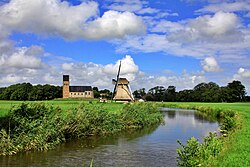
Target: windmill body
{"type": "Point", "coordinates": [122, 91]}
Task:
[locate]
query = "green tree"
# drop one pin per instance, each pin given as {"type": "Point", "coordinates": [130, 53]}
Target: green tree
{"type": "Point", "coordinates": [139, 93]}
{"type": "Point", "coordinates": [185, 96]}
{"type": "Point", "coordinates": [170, 94]}
{"type": "Point", "coordinates": [236, 91]}
{"type": "Point", "coordinates": [157, 93]}
{"type": "Point", "coordinates": [96, 92]}
{"type": "Point", "coordinates": [21, 91]}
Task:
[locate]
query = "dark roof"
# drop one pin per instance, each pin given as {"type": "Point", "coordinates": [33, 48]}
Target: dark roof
{"type": "Point", "coordinates": [80, 88]}
{"type": "Point", "coordinates": [65, 77]}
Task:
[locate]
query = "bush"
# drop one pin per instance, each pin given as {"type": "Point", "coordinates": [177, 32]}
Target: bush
{"type": "Point", "coordinates": [196, 154]}
{"type": "Point", "coordinates": [189, 154]}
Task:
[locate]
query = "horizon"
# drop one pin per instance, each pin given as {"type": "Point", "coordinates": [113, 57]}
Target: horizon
{"type": "Point", "coordinates": [178, 43]}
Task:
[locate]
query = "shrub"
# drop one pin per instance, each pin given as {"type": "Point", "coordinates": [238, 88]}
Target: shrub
{"type": "Point", "coordinates": [188, 154]}
{"type": "Point", "coordinates": [196, 154]}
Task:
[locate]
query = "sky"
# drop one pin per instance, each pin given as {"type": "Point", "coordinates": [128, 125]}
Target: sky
{"type": "Point", "coordinates": [160, 42]}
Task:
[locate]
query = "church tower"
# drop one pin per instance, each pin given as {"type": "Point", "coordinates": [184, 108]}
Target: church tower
{"type": "Point", "coordinates": [65, 86]}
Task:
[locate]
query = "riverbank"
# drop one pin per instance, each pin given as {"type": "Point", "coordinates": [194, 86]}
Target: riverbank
{"type": "Point", "coordinates": [39, 126]}
{"type": "Point", "coordinates": [236, 148]}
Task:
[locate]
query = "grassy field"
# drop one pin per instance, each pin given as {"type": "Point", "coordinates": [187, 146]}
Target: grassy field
{"type": "Point", "coordinates": [237, 146]}
{"type": "Point", "coordinates": [65, 105]}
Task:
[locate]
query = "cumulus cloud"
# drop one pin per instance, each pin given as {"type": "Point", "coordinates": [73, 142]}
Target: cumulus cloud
{"type": "Point", "coordinates": [210, 64]}
{"type": "Point", "coordinates": [56, 18]}
{"type": "Point", "coordinates": [89, 72]}
{"type": "Point", "coordinates": [20, 58]}
{"type": "Point", "coordinates": [127, 66]}
{"type": "Point", "coordinates": [220, 34]}
{"type": "Point", "coordinates": [221, 27]}
{"type": "Point", "coordinates": [10, 79]}
{"type": "Point", "coordinates": [244, 73]}
{"type": "Point", "coordinates": [114, 24]}
{"type": "Point", "coordinates": [53, 17]}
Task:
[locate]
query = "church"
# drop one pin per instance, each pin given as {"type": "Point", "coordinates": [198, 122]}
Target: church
{"type": "Point", "coordinates": [76, 91]}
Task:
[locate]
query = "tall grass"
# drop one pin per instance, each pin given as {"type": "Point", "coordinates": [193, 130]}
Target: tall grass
{"type": "Point", "coordinates": [37, 126]}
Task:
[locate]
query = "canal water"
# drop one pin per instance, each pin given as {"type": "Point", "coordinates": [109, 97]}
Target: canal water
{"type": "Point", "coordinates": [149, 147]}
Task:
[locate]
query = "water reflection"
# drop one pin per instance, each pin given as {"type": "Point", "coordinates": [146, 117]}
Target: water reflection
{"type": "Point", "coordinates": [152, 146]}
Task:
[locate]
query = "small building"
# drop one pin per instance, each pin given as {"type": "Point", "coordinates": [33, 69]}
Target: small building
{"type": "Point", "coordinates": [76, 91]}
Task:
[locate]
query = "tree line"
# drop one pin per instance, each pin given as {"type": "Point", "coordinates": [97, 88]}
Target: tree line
{"type": "Point", "coordinates": [27, 91]}
{"type": "Point", "coordinates": [203, 92]}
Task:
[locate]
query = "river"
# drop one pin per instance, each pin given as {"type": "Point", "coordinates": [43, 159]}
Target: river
{"type": "Point", "coordinates": [148, 147]}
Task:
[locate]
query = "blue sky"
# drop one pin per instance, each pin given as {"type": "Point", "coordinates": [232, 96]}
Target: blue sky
{"type": "Point", "coordinates": [175, 42]}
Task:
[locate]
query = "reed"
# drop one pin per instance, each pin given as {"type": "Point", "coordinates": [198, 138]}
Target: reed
{"type": "Point", "coordinates": [39, 126]}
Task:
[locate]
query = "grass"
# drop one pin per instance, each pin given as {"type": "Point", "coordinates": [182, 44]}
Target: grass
{"type": "Point", "coordinates": [236, 151]}
{"type": "Point", "coordinates": [65, 105]}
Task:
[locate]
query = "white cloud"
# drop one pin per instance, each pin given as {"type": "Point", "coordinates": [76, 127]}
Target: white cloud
{"type": "Point", "coordinates": [139, 7]}
{"type": "Point", "coordinates": [221, 27]}
{"type": "Point", "coordinates": [183, 81]}
{"type": "Point", "coordinates": [21, 58]}
{"type": "Point", "coordinates": [122, 5]}
{"type": "Point", "coordinates": [101, 75]}
{"type": "Point", "coordinates": [67, 66]}
{"type": "Point", "coordinates": [128, 66]}
{"type": "Point", "coordinates": [53, 17]}
{"type": "Point", "coordinates": [114, 24]}
{"type": "Point", "coordinates": [226, 7]}
{"type": "Point", "coordinates": [167, 27]}
{"type": "Point", "coordinates": [10, 79]}
{"type": "Point", "coordinates": [221, 35]}
{"type": "Point", "coordinates": [210, 65]}
{"type": "Point", "coordinates": [244, 73]}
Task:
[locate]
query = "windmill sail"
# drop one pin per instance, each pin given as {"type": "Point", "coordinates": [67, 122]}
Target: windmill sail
{"type": "Point", "coordinates": [117, 79]}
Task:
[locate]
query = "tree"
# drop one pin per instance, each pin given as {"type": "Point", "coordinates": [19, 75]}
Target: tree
{"type": "Point", "coordinates": [139, 93]}
{"type": "Point", "coordinates": [170, 94]}
{"type": "Point", "coordinates": [207, 92]}
{"type": "Point", "coordinates": [107, 92]}
{"type": "Point", "coordinates": [236, 91]}
{"type": "Point", "coordinates": [96, 92]}
{"type": "Point", "coordinates": [157, 93]}
{"type": "Point", "coordinates": [26, 91]}
{"type": "Point", "coordinates": [185, 96]}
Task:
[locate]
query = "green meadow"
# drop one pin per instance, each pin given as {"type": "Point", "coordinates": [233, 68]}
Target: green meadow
{"type": "Point", "coordinates": [65, 105]}
{"type": "Point", "coordinates": [236, 149]}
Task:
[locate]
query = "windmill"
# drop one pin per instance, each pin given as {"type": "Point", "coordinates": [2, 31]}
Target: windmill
{"type": "Point", "coordinates": [122, 91]}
